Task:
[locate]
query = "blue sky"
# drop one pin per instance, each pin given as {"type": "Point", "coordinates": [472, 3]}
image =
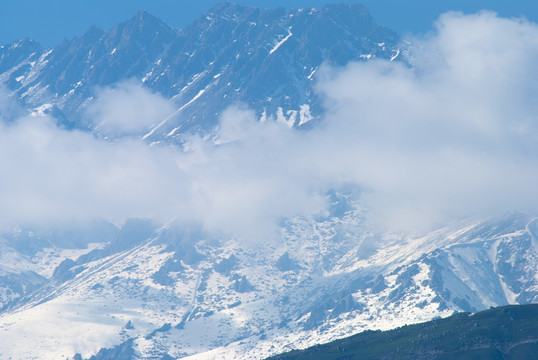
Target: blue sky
{"type": "Point", "coordinates": [50, 21]}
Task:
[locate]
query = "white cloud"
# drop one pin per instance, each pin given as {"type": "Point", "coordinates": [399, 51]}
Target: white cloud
{"type": "Point", "coordinates": [53, 175]}
{"type": "Point", "coordinates": [127, 108]}
{"type": "Point", "coordinates": [452, 136]}
{"type": "Point", "coordinates": [9, 109]}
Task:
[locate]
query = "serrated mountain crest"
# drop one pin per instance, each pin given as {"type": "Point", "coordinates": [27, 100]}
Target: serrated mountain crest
{"type": "Point", "coordinates": [266, 58]}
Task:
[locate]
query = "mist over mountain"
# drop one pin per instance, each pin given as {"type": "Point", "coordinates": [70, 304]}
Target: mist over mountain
{"type": "Point", "coordinates": [263, 180]}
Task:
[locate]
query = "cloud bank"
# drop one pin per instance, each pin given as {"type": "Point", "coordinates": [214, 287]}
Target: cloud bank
{"type": "Point", "coordinates": [453, 135]}
{"type": "Point", "coordinates": [127, 109]}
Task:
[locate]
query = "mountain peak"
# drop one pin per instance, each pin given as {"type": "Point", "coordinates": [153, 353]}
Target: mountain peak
{"type": "Point", "coordinates": [23, 43]}
{"type": "Point", "coordinates": [93, 33]}
{"type": "Point", "coordinates": [145, 27]}
{"type": "Point", "coordinates": [144, 18]}
{"type": "Point", "coordinates": [226, 6]}
{"type": "Point", "coordinates": [232, 10]}
{"type": "Point", "coordinates": [343, 7]}
{"type": "Point", "coordinates": [346, 11]}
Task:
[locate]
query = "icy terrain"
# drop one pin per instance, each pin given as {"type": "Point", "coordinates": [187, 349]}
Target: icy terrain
{"type": "Point", "coordinates": [179, 291]}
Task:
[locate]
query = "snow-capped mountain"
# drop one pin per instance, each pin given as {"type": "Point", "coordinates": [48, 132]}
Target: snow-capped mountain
{"type": "Point", "coordinates": [174, 291]}
{"type": "Point", "coordinates": [266, 58]}
{"type": "Point", "coordinates": [147, 290]}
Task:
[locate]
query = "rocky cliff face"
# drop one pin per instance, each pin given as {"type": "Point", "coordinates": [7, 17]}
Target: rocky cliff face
{"type": "Point", "coordinates": [266, 58]}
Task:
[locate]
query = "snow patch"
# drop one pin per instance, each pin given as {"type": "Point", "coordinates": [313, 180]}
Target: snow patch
{"type": "Point", "coordinates": [41, 110]}
{"type": "Point", "coordinates": [200, 93]}
{"type": "Point", "coordinates": [395, 55]}
{"type": "Point", "coordinates": [275, 48]}
{"type": "Point", "coordinates": [304, 114]}
{"type": "Point", "coordinates": [290, 121]}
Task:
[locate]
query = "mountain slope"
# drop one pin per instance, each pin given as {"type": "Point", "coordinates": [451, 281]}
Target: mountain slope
{"type": "Point", "coordinates": [509, 332]}
{"type": "Point", "coordinates": [265, 58]}
{"type": "Point", "coordinates": [178, 291]}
